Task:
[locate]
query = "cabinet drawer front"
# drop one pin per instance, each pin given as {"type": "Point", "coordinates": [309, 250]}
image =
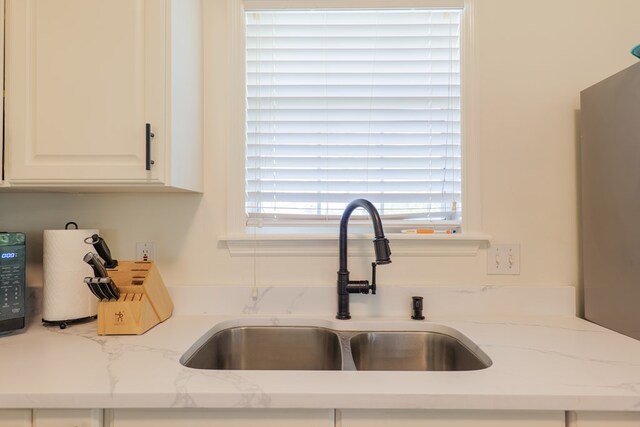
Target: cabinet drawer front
{"type": "Point", "coordinates": [67, 417]}
{"type": "Point", "coordinates": [15, 418]}
{"type": "Point", "coordinates": [220, 417]}
{"type": "Point", "coordinates": [439, 418]}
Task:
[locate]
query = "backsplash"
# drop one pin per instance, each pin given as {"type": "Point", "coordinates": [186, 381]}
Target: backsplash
{"type": "Point", "coordinates": [391, 301]}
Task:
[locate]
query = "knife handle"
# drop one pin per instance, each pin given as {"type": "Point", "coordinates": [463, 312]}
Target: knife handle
{"type": "Point", "coordinates": [109, 288]}
{"type": "Point", "coordinates": [149, 135]}
{"type": "Point", "coordinates": [93, 287]}
{"type": "Point", "coordinates": [100, 245]}
{"type": "Point", "coordinates": [98, 269]}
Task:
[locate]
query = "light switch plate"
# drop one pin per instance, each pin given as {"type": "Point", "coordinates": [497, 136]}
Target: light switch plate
{"type": "Point", "coordinates": [503, 259]}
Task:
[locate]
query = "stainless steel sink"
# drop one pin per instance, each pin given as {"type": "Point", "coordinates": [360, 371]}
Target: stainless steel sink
{"type": "Point", "coordinates": [320, 348]}
{"type": "Point", "coordinates": [269, 348]}
{"type": "Point", "coordinates": [414, 351]}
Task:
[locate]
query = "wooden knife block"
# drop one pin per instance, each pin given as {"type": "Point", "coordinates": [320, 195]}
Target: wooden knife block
{"type": "Point", "coordinates": [144, 301]}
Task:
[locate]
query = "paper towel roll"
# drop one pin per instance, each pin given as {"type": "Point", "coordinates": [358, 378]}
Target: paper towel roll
{"type": "Point", "coordinates": [65, 295]}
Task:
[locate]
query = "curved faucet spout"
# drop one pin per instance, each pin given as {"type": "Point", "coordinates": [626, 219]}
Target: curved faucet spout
{"type": "Point", "coordinates": [381, 244]}
{"type": "Point", "coordinates": [383, 256]}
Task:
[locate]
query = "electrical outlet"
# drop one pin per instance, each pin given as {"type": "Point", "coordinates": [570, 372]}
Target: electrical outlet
{"type": "Point", "coordinates": [145, 251]}
{"type": "Point", "coordinates": [503, 259]}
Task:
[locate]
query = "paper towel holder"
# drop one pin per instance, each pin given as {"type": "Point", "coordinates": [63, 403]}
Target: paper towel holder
{"type": "Point", "coordinates": [62, 321]}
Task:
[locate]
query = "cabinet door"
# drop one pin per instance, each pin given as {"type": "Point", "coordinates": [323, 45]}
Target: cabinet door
{"type": "Point", "coordinates": [603, 419]}
{"type": "Point", "coordinates": [2, 79]}
{"type": "Point", "coordinates": [67, 418]}
{"type": "Point", "coordinates": [220, 417]}
{"type": "Point", "coordinates": [83, 77]}
{"type": "Point", "coordinates": [15, 417]}
{"type": "Point", "coordinates": [429, 418]}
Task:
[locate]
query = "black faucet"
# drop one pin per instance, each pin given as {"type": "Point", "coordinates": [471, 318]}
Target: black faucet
{"type": "Point", "coordinates": [383, 256]}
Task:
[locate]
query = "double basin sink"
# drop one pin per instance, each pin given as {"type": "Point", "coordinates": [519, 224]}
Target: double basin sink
{"type": "Point", "coordinates": [250, 347]}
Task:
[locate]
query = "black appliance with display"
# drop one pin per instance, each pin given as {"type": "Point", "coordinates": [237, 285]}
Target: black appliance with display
{"type": "Point", "coordinates": [12, 281]}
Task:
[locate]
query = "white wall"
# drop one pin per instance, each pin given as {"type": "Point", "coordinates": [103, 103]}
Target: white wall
{"type": "Point", "coordinates": [533, 58]}
{"type": "Point", "coordinates": [536, 56]}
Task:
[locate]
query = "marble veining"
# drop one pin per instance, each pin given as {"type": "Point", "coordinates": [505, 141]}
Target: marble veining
{"type": "Point", "coordinates": [543, 358]}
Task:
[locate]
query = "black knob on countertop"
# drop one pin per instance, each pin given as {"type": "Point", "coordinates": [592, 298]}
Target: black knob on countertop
{"type": "Point", "coordinates": [416, 306]}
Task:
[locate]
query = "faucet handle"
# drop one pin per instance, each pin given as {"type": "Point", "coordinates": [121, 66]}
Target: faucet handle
{"type": "Point", "coordinates": [373, 277]}
{"type": "Point", "coordinates": [358, 287]}
{"type": "Point", "coordinates": [363, 286]}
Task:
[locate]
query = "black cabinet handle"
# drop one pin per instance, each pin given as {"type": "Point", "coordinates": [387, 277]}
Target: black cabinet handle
{"type": "Point", "coordinates": [149, 135]}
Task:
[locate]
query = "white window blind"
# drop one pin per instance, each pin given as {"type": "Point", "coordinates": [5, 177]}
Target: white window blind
{"type": "Point", "coordinates": [347, 104]}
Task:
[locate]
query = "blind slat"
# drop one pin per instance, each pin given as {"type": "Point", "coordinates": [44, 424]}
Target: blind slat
{"type": "Point", "coordinates": [348, 163]}
{"type": "Point", "coordinates": [403, 198]}
{"type": "Point", "coordinates": [346, 126]}
{"type": "Point", "coordinates": [365, 67]}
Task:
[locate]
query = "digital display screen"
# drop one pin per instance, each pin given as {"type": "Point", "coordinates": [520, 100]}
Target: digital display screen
{"type": "Point", "coordinates": [11, 256]}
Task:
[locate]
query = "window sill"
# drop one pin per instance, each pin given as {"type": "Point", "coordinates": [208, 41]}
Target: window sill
{"type": "Point", "coordinates": [326, 244]}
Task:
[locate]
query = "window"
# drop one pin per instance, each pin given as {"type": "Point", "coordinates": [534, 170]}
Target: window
{"type": "Point", "coordinates": [343, 104]}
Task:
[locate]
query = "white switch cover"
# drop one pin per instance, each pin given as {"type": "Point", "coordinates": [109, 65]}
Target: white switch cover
{"type": "Point", "coordinates": [503, 259]}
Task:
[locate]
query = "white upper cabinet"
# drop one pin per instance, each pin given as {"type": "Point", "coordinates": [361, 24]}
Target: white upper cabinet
{"type": "Point", "coordinates": [83, 80]}
{"type": "Point", "coordinates": [2, 183]}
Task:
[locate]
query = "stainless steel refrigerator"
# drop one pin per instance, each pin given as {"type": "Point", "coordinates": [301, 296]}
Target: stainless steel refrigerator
{"type": "Point", "coordinates": [610, 192]}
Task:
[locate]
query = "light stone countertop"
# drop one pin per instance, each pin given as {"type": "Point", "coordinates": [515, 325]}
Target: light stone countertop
{"type": "Point", "coordinates": [543, 358]}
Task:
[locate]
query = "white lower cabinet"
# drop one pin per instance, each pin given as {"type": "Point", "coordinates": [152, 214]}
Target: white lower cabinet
{"type": "Point", "coordinates": [15, 417]}
{"type": "Point", "coordinates": [51, 417]}
{"type": "Point", "coordinates": [67, 418]}
{"type": "Point", "coordinates": [603, 419]}
{"type": "Point", "coordinates": [310, 418]}
{"type": "Point", "coordinates": [430, 418]}
{"type": "Point", "coordinates": [219, 417]}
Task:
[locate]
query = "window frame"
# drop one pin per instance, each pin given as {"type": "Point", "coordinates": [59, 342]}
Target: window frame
{"type": "Point", "coordinates": [242, 239]}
